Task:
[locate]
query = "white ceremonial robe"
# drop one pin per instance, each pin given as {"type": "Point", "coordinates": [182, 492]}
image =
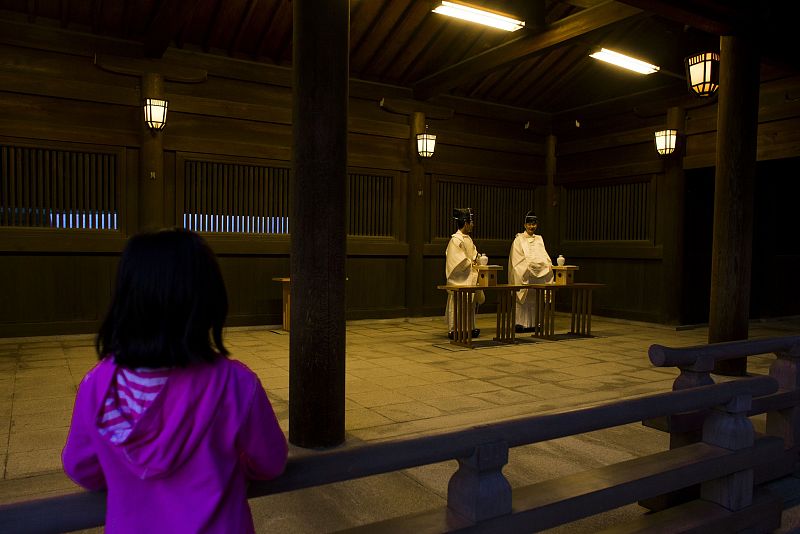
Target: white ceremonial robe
{"type": "Point", "coordinates": [528, 263]}
{"type": "Point", "coordinates": [459, 269]}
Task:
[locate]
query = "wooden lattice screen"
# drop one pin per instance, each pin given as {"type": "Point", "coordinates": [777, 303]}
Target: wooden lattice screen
{"type": "Point", "coordinates": [619, 212]}
{"type": "Point", "coordinates": [499, 209]}
{"type": "Point", "coordinates": [240, 198]}
{"type": "Point", "coordinates": [233, 197]}
{"type": "Point", "coordinates": [44, 187]}
{"type": "Point", "coordinates": [369, 204]}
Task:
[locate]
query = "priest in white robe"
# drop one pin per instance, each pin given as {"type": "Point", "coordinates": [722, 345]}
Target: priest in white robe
{"type": "Point", "coordinates": [461, 262]}
{"type": "Point", "coordinates": [528, 263]}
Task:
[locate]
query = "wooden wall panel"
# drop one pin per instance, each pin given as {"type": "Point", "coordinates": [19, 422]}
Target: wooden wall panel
{"type": "Point", "coordinates": [375, 287]}
{"type": "Point", "coordinates": [242, 113]}
{"type": "Point", "coordinates": [252, 295]}
{"type": "Point", "coordinates": [633, 287]}
{"type": "Point", "coordinates": [54, 292]}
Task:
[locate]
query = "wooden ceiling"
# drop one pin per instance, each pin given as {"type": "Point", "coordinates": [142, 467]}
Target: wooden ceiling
{"type": "Point", "coordinates": [544, 67]}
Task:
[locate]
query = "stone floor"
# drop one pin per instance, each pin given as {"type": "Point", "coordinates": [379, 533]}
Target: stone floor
{"type": "Point", "coordinates": [403, 379]}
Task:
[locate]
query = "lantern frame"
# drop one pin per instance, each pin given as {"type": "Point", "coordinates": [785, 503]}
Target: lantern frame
{"type": "Point", "coordinates": [666, 141]}
{"type": "Point", "coordinates": [155, 113]}
{"type": "Point", "coordinates": [426, 144]}
{"type": "Point", "coordinates": [702, 73]}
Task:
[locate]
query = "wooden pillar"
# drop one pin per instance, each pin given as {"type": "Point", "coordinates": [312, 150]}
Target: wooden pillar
{"type": "Point", "coordinates": [551, 215]}
{"type": "Point", "coordinates": [737, 124]}
{"type": "Point", "coordinates": [415, 219]}
{"type": "Point", "coordinates": [670, 222]}
{"type": "Point", "coordinates": [151, 170]}
{"type": "Point", "coordinates": [318, 251]}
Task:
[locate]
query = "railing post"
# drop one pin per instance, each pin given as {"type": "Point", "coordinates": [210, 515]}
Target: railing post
{"type": "Point", "coordinates": [786, 423]}
{"type": "Point", "coordinates": [478, 490]}
{"type": "Point", "coordinates": [684, 429]}
{"type": "Point", "coordinates": [728, 426]}
{"type": "Point", "coordinates": [695, 375]}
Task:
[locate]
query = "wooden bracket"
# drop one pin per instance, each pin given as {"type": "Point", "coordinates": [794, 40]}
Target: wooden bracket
{"type": "Point", "coordinates": [403, 106]}
{"type": "Point", "coordinates": [138, 67]}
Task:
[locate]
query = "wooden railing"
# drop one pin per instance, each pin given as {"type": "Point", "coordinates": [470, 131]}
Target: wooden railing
{"type": "Point", "coordinates": [782, 408]}
{"type": "Point", "coordinates": [481, 499]}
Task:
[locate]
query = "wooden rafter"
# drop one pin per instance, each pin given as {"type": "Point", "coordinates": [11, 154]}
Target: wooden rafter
{"type": "Point", "coordinates": [715, 20]}
{"type": "Point", "coordinates": [266, 26]}
{"type": "Point", "coordinates": [33, 10]}
{"type": "Point", "coordinates": [166, 24]}
{"type": "Point", "coordinates": [97, 15]}
{"type": "Point", "coordinates": [555, 34]}
{"type": "Point", "coordinates": [64, 12]}
{"type": "Point", "coordinates": [243, 22]}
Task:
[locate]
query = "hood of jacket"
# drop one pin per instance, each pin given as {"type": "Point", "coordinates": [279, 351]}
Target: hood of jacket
{"type": "Point", "coordinates": [172, 427]}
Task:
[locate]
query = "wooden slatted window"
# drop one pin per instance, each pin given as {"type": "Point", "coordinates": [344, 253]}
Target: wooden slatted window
{"type": "Point", "coordinates": [619, 212]}
{"type": "Point", "coordinates": [43, 187]}
{"type": "Point", "coordinates": [369, 204]}
{"type": "Point", "coordinates": [235, 198]}
{"type": "Point", "coordinates": [499, 209]}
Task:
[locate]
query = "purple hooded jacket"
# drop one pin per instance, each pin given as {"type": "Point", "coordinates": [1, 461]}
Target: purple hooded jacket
{"type": "Point", "coordinates": [185, 465]}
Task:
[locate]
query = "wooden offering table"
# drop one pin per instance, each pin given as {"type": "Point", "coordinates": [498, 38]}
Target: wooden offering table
{"type": "Point", "coordinates": [287, 291]}
{"type": "Point", "coordinates": [543, 296]}
{"type": "Point", "coordinates": [464, 312]}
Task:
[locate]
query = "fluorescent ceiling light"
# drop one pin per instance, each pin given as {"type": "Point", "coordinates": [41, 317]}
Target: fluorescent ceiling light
{"type": "Point", "coordinates": [474, 14]}
{"type": "Point", "coordinates": [626, 62]}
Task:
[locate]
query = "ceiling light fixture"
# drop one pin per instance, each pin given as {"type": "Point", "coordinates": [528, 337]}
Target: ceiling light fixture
{"type": "Point", "coordinates": [481, 16]}
{"type": "Point", "coordinates": [626, 62]}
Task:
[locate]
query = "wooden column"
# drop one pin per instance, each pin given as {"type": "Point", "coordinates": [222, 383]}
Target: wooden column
{"type": "Point", "coordinates": [670, 222]}
{"type": "Point", "coordinates": [415, 219]}
{"type": "Point", "coordinates": [551, 215]}
{"type": "Point", "coordinates": [317, 223]}
{"type": "Point", "coordinates": [151, 170]}
{"type": "Point", "coordinates": [737, 124]}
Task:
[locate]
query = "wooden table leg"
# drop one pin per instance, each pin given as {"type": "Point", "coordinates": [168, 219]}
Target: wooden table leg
{"type": "Point", "coordinates": [505, 317]}
{"type": "Point", "coordinates": [582, 312]}
{"type": "Point", "coordinates": [589, 313]}
{"type": "Point", "coordinates": [463, 315]}
{"type": "Point", "coordinates": [287, 292]}
{"type": "Point", "coordinates": [573, 323]}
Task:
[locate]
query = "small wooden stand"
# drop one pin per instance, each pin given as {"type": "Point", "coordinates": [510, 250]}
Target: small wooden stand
{"type": "Point", "coordinates": [487, 274]}
{"type": "Point", "coordinates": [564, 275]}
{"type": "Point", "coordinates": [287, 292]}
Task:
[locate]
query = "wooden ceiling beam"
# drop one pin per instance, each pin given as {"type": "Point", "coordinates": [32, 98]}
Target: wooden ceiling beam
{"type": "Point", "coordinates": [558, 33]}
{"type": "Point", "coordinates": [721, 21]}
{"type": "Point", "coordinates": [167, 22]}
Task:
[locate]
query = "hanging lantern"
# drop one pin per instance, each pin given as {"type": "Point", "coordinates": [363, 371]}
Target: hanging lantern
{"type": "Point", "coordinates": [666, 141]}
{"type": "Point", "coordinates": [155, 113]}
{"type": "Point", "coordinates": [426, 143]}
{"type": "Point", "coordinates": [702, 73]}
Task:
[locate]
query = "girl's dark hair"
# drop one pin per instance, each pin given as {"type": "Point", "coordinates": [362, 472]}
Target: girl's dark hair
{"type": "Point", "coordinates": [169, 302]}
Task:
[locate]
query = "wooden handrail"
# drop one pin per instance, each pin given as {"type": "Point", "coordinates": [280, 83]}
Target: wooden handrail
{"type": "Point", "coordinates": [696, 365]}
{"type": "Point", "coordinates": [86, 510]}
{"type": "Point", "coordinates": [662, 356]}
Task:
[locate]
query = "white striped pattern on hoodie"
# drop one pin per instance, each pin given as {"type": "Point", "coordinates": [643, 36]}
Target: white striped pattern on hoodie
{"type": "Point", "coordinates": [130, 394]}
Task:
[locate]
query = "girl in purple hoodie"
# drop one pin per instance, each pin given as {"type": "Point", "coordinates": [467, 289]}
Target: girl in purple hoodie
{"type": "Point", "coordinates": [166, 423]}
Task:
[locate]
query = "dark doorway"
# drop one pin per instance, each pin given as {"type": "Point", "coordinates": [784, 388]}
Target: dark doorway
{"type": "Point", "coordinates": [775, 290]}
{"type": "Point", "coordinates": [697, 238]}
{"type": "Point", "coordinates": [776, 248]}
